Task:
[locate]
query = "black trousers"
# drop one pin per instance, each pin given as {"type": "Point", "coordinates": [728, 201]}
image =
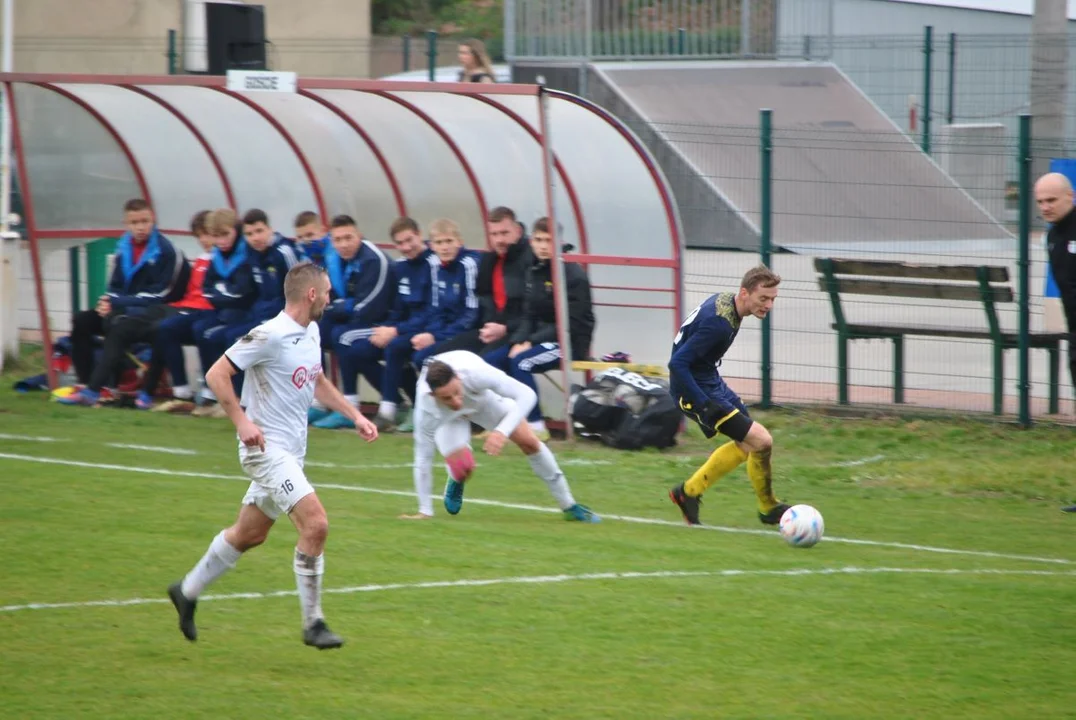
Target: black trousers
{"type": "Point", "coordinates": [120, 333]}
{"type": "Point", "coordinates": [1069, 304]}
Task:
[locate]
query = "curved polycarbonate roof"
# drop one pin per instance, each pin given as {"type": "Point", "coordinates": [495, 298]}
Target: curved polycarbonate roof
{"type": "Point", "coordinates": [373, 150]}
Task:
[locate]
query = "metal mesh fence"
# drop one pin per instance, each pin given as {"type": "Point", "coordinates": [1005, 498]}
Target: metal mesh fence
{"type": "Point", "coordinates": [893, 218]}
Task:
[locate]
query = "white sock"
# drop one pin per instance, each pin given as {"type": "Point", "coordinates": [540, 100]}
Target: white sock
{"type": "Point", "coordinates": [182, 392]}
{"type": "Point", "coordinates": [387, 410]}
{"type": "Point", "coordinates": [545, 466]}
{"type": "Point", "coordinates": [208, 394]}
{"type": "Point", "coordinates": [353, 399]}
{"type": "Point", "coordinates": [218, 559]}
{"type": "Point", "coordinates": [537, 426]}
{"type": "Point", "coordinates": [308, 572]}
{"type": "Point", "coordinates": [318, 405]}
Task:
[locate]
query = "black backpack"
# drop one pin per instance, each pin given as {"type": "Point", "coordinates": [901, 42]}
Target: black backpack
{"type": "Point", "coordinates": [626, 410]}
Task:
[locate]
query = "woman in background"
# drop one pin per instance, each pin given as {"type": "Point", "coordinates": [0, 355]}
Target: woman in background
{"type": "Point", "coordinates": [475, 61]}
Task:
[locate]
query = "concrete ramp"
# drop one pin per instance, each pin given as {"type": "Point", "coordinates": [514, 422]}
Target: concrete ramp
{"type": "Point", "coordinates": [843, 171]}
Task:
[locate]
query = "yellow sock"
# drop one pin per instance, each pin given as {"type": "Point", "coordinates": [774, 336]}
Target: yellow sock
{"type": "Point", "coordinates": [720, 463]}
{"type": "Point", "coordinates": [760, 473]}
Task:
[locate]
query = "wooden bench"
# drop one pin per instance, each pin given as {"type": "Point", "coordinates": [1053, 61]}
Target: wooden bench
{"type": "Point", "coordinates": [958, 283]}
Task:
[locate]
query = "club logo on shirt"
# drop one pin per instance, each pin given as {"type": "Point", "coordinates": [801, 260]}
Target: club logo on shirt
{"type": "Point", "coordinates": [302, 376]}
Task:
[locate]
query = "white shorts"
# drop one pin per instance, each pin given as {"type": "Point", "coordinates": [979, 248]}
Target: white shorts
{"type": "Point", "coordinates": [455, 433]}
{"type": "Point", "coordinates": [277, 482]}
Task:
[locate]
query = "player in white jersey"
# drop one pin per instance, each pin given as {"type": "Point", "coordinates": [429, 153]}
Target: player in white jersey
{"type": "Point", "coordinates": [282, 361]}
{"type": "Point", "coordinates": [457, 388]}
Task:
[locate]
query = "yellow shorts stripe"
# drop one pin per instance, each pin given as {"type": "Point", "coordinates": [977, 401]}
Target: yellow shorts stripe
{"type": "Point", "coordinates": [725, 419]}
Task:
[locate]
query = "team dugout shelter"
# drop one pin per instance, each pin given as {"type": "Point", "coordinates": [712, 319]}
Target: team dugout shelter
{"type": "Point", "coordinates": [375, 150]}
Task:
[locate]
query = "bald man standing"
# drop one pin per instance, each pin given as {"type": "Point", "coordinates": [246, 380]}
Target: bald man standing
{"type": "Point", "coordinates": [1053, 195]}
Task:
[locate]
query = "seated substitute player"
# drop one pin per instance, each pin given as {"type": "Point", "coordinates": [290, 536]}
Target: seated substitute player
{"type": "Point", "coordinates": [703, 396]}
{"type": "Point", "coordinates": [149, 273]}
{"type": "Point", "coordinates": [311, 236]}
{"type": "Point", "coordinates": [231, 287]}
{"type": "Point", "coordinates": [534, 347]}
{"type": "Point", "coordinates": [282, 359]}
{"type": "Point", "coordinates": [361, 351]}
{"type": "Point", "coordinates": [455, 307]}
{"type": "Point", "coordinates": [175, 330]}
{"type": "Point", "coordinates": [271, 255]}
{"type": "Point", "coordinates": [361, 298]}
{"type": "Point", "coordinates": [457, 388]}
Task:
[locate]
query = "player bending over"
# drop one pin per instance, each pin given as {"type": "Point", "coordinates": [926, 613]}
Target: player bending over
{"type": "Point", "coordinates": [282, 361]}
{"type": "Point", "coordinates": [703, 396]}
{"type": "Point", "coordinates": [457, 388]}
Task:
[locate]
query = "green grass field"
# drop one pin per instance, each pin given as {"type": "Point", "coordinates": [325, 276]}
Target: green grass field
{"type": "Point", "coordinates": [946, 586]}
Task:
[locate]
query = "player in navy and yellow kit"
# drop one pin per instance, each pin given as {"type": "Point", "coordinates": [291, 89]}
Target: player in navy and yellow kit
{"type": "Point", "coordinates": [703, 396]}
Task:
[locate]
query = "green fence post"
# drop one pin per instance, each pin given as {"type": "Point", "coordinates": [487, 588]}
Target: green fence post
{"type": "Point", "coordinates": [681, 41]}
{"type": "Point", "coordinates": [406, 53]}
{"type": "Point", "coordinates": [431, 53]}
{"type": "Point", "coordinates": [74, 260]}
{"type": "Point", "coordinates": [950, 110]}
{"type": "Point", "coordinates": [766, 160]}
{"type": "Point", "coordinates": [928, 67]}
{"type": "Point", "coordinates": [1024, 266]}
{"type": "Point", "coordinates": [172, 54]}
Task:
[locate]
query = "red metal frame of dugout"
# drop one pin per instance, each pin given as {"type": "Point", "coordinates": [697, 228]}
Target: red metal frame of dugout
{"type": "Point", "coordinates": [229, 192]}
{"type": "Point", "coordinates": [444, 135]}
{"type": "Point", "coordinates": [394, 184]}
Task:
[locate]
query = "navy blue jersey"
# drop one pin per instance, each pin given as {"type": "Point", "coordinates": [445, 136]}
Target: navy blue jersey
{"type": "Point", "coordinates": [413, 303]}
{"type": "Point", "coordinates": [361, 289]}
{"type": "Point", "coordinates": [703, 340]}
{"type": "Point", "coordinates": [270, 268]}
{"type": "Point", "coordinates": [455, 304]}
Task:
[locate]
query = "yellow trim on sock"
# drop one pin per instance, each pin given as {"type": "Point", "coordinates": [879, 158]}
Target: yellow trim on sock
{"type": "Point", "coordinates": [720, 463]}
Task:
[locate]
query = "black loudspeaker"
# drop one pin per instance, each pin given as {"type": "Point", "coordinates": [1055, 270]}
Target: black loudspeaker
{"type": "Point", "coordinates": [235, 37]}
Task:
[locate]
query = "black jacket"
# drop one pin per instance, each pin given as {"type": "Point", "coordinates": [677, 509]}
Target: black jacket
{"type": "Point", "coordinates": [1061, 242]}
{"type": "Point", "coordinates": [516, 261]}
{"type": "Point", "coordinates": [540, 311]}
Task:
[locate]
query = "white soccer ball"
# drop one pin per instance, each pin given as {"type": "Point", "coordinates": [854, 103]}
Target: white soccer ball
{"type": "Point", "coordinates": [802, 526]}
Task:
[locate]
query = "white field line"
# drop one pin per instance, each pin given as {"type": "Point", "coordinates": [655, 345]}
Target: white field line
{"type": "Point", "coordinates": [30, 438]}
{"type": "Point", "coordinates": [546, 509]}
{"type": "Point", "coordinates": [153, 448]}
{"type": "Point", "coordinates": [857, 463]}
{"type": "Point", "coordinates": [571, 462]}
{"type": "Point", "coordinates": [550, 579]}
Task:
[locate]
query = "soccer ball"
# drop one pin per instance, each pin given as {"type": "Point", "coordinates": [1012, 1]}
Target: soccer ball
{"type": "Point", "coordinates": [802, 526]}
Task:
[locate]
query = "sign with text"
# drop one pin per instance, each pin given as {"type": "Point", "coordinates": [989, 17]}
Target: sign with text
{"type": "Point", "coordinates": [262, 81]}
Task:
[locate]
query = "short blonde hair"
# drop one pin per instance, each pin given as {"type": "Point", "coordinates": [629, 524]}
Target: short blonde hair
{"type": "Point", "coordinates": [219, 222]}
{"type": "Point", "coordinates": [444, 226]}
{"type": "Point", "coordinates": [300, 279]}
{"type": "Point", "coordinates": [760, 276]}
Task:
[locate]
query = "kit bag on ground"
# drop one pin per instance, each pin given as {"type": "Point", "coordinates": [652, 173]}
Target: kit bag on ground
{"type": "Point", "coordinates": [626, 410]}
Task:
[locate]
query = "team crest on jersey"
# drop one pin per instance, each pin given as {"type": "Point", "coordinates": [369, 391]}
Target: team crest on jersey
{"type": "Point", "coordinates": [302, 376]}
{"type": "Point", "coordinates": [404, 287]}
